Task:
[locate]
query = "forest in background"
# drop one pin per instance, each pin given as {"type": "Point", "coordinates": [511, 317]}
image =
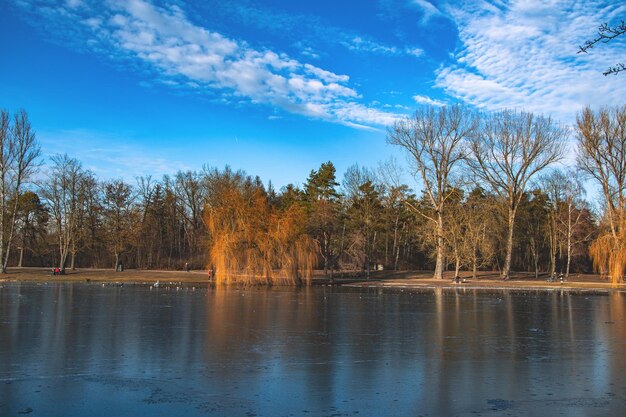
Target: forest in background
{"type": "Point", "coordinates": [491, 198]}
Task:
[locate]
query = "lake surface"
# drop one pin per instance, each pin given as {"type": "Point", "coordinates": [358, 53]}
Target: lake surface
{"type": "Point", "coordinates": [88, 350]}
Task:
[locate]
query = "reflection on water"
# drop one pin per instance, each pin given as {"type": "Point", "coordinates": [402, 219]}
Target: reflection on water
{"type": "Point", "coordinates": [85, 350]}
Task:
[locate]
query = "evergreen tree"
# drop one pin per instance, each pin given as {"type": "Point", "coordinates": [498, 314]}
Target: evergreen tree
{"type": "Point", "coordinates": [323, 203]}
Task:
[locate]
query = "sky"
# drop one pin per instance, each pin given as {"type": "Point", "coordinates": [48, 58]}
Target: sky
{"type": "Point", "coordinates": [276, 88]}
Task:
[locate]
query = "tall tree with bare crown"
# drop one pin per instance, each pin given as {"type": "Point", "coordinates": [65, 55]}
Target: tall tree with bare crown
{"type": "Point", "coordinates": [434, 139]}
{"type": "Point", "coordinates": [507, 151]}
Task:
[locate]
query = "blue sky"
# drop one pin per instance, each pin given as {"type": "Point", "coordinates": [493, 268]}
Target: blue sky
{"type": "Point", "coordinates": [278, 87]}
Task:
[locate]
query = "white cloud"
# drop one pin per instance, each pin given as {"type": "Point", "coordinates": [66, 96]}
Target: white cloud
{"type": "Point", "coordinates": [326, 75]}
{"type": "Point", "coordinates": [428, 9]}
{"type": "Point", "coordinates": [309, 52]}
{"type": "Point", "coordinates": [364, 45]}
{"type": "Point", "coordinates": [358, 43]}
{"type": "Point", "coordinates": [523, 54]}
{"type": "Point", "coordinates": [416, 52]}
{"type": "Point", "coordinates": [419, 99]}
{"type": "Point", "coordinates": [182, 53]}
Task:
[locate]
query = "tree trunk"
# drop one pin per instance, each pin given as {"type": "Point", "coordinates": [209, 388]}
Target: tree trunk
{"type": "Point", "coordinates": [457, 265]}
{"type": "Point", "coordinates": [386, 247]}
{"type": "Point", "coordinates": [569, 241]}
{"type": "Point", "coordinates": [73, 260]}
{"type": "Point", "coordinates": [63, 260]}
{"type": "Point", "coordinates": [325, 254]}
{"type": "Point", "coordinates": [19, 263]}
{"type": "Point", "coordinates": [5, 264]}
{"type": "Point", "coordinates": [474, 268]}
{"type": "Point", "coordinates": [506, 270]}
{"type": "Point", "coordinates": [2, 211]}
{"type": "Point", "coordinates": [535, 255]}
{"type": "Point", "coordinates": [12, 225]}
{"type": "Point", "coordinates": [397, 259]}
{"type": "Point", "coordinates": [552, 257]}
{"type": "Point", "coordinates": [440, 248]}
{"type": "Point", "coordinates": [395, 243]}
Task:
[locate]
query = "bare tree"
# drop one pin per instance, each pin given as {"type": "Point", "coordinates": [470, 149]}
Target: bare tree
{"type": "Point", "coordinates": [508, 150]}
{"type": "Point", "coordinates": [31, 223]}
{"type": "Point", "coordinates": [19, 152]}
{"type": "Point", "coordinates": [396, 213]}
{"type": "Point", "coordinates": [574, 209]}
{"type": "Point", "coordinates": [119, 216]}
{"type": "Point", "coordinates": [435, 141]}
{"type": "Point", "coordinates": [89, 232]}
{"type": "Point", "coordinates": [551, 184]}
{"type": "Point", "coordinates": [192, 196]}
{"type": "Point", "coordinates": [606, 34]}
{"type": "Point", "coordinates": [455, 223]}
{"type": "Point", "coordinates": [478, 245]}
{"type": "Point", "coordinates": [63, 191]}
{"type": "Point", "coordinates": [567, 213]}
{"type": "Point", "coordinates": [602, 155]}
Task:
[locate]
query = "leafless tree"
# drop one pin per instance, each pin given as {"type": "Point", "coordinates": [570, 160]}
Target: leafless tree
{"type": "Point", "coordinates": [120, 216]}
{"type": "Point", "coordinates": [602, 155]}
{"type": "Point", "coordinates": [19, 153]}
{"type": "Point", "coordinates": [566, 193]}
{"type": "Point", "coordinates": [64, 194]}
{"type": "Point", "coordinates": [192, 196]}
{"type": "Point", "coordinates": [394, 197]}
{"type": "Point", "coordinates": [507, 151]}
{"type": "Point", "coordinates": [435, 138]}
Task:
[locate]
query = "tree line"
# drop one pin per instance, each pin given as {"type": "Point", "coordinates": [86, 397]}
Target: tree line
{"type": "Point", "coordinates": [489, 197]}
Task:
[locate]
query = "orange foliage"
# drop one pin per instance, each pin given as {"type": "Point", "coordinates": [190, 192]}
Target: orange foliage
{"type": "Point", "coordinates": [253, 242]}
{"type": "Point", "coordinates": [609, 254]}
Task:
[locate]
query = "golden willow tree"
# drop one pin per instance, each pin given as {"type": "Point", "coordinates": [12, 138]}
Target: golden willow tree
{"type": "Point", "coordinates": [602, 155]}
{"type": "Point", "coordinates": [252, 240]}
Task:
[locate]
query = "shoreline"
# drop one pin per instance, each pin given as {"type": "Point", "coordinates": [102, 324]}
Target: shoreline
{"type": "Point", "coordinates": [404, 280]}
{"type": "Point", "coordinates": [489, 285]}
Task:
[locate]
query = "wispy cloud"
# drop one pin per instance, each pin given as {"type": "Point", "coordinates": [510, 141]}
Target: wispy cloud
{"type": "Point", "coordinates": [523, 54]}
{"type": "Point", "coordinates": [416, 52]}
{"type": "Point", "coordinates": [420, 99]}
{"type": "Point", "coordinates": [366, 45]}
{"type": "Point", "coordinates": [110, 155]}
{"type": "Point", "coordinates": [165, 41]}
{"type": "Point", "coordinates": [427, 8]}
{"type": "Point", "coordinates": [312, 29]}
{"type": "Point", "coordinates": [358, 43]}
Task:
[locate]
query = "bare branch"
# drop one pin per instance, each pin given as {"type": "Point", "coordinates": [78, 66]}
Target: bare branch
{"type": "Point", "coordinates": [606, 33]}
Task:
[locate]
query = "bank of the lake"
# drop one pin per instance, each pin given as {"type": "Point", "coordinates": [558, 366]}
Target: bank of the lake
{"type": "Point", "coordinates": [405, 280]}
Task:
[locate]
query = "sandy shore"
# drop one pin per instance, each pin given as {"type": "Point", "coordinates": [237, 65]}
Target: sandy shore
{"type": "Point", "coordinates": [378, 279]}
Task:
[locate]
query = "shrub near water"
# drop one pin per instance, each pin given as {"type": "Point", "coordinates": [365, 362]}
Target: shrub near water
{"type": "Point", "coordinates": [254, 242]}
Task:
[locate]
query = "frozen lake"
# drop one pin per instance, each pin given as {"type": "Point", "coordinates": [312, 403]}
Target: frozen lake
{"type": "Point", "coordinates": [87, 350]}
